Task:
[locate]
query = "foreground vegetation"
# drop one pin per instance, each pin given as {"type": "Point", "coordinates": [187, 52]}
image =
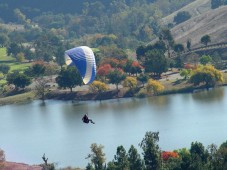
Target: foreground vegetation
{"type": "Point", "coordinates": [197, 157]}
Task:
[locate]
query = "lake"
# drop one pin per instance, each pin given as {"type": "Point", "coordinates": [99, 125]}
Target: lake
{"type": "Point", "coordinates": [55, 127]}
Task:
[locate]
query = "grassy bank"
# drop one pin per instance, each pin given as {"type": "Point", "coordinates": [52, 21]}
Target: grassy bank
{"type": "Point", "coordinates": [19, 98]}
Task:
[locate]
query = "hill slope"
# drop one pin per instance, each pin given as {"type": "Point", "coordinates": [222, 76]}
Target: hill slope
{"type": "Point", "coordinates": [212, 23]}
{"type": "Point", "coordinates": [195, 8]}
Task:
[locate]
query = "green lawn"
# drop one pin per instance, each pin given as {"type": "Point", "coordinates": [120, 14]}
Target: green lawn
{"type": "Point", "coordinates": [3, 56]}
{"type": "Point", "coordinates": [10, 61]}
{"type": "Point", "coordinates": [18, 66]}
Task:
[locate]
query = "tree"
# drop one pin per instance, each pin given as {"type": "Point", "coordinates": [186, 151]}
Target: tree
{"type": "Point", "coordinates": [151, 151]}
{"type": "Point", "coordinates": [178, 48]}
{"type": "Point", "coordinates": [104, 69]}
{"type": "Point", "coordinates": [40, 87]}
{"type": "Point", "coordinates": [28, 54]}
{"type": "Point", "coordinates": [4, 69]}
{"type": "Point", "coordinates": [167, 38]}
{"type": "Point", "coordinates": [156, 62]}
{"type": "Point", "coordinates": [154, 86]}
{"type": "Point", "coordinates": [185, 73]}
{"type": "Point", "coordinates": [4, 40]}
{"type": "Point", "coordinates": [205, 59]}
{"type": "Point", "coordinates": [13, 49]}
{"type": "Point", "coordinates": [143, 78]}
{"type": "Point", "coordinates": [116, 77]}
{"type": "Point", "coordinates": [199, 156]}
{"type": "Point", "coordinates": [69, 78]}
{"type": "Point", "coordinates": [222, 156]}
{"type": "Point", "coordinates": [136, 68]}
{"type": "Point", "coordinates": [217, 3]}
{"type": "Point", "coordinates": [181, 17]}
{"type": "Point", "coordinates": [189, 43]}
{"type": "Point", "coordinates": [2, 156]}
{"type": "Point", "coordinates": [130, 82]}
{"type": "Point", "coordinates": [60, 56]}
{"type": "Point", "coordinates": [207, 75]}
{"type": "Point", "coordinates": [97, 156]}
{"type": "Point", "coordinates": [98, 87]}
{"type": "Point", "coordinates": [205, 40]}
{"type": "Point", "coordinates": [135, 161]}
{"type": "Point", "coordinates": [20, 57]}
{"type": "Point", "coordinates": [38, 69]}
{"type": "Point", "coordinates": [20, 80]}
{"type": "Point", "coordinates": [121, 159]}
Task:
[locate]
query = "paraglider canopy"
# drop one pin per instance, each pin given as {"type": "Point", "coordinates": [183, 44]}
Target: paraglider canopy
{"type": "Point", "coordinates": [84, 59]}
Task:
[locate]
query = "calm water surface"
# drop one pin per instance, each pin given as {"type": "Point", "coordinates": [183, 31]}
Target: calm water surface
{"type": "Point", "coordinates": [55, 128]}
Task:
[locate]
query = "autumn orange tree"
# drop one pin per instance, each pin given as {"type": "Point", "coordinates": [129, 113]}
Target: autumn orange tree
{"type": "Point", "coordinates": [104, 69]}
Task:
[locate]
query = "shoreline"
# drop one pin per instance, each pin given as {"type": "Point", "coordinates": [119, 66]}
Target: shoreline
{"type": "Point", "coordinates": [28, 97]}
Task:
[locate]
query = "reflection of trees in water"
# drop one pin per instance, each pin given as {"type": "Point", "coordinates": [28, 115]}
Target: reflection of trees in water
{"type": "Point", "coordinates": [121, 104]}
{"type": "Point", "coordinates": [159, 100]}
{"type": "Point", "coordinates": [215, 94]}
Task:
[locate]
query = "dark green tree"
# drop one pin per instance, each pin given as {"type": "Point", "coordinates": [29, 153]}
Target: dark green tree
{"type": "Point", "coordinates": [121, 159]}
{"type": "Point", "coordinates": [28, 54]}
{"type": "Point", "coordinates": [20, 80]}
{"type": "Point", "coordinates": [205, 40]}
{"type": "Point", "coordinates": [116, 77]}
{"type": "Point", "coordinates": [178, 48]}
{"type": "Point", "coordinates": [60, 59]}
{"type": "Point", "coordinates": [38, 69]}
{"type": "Point", "coordinates": [222, 156]}
{"type": "Point", "coordinates": [167, 38]}
{"type": "Point", "coordinates": [155, 62]}
{"type": "Point", "coordinates": [135, 161]}
{"type": "Point", "coordinates": [69, 78]}
{"type": "Point", "coordinates": [199, 156]}
{"type": "Point", "coordinates": [151, 151]}
{"type": "Point", "coordinates": [217, 3]}
{"type": "Point", "coordinates": [13, 49]}
{"type": "Point", "coordinates": [205, 59]}
{"type": "Point", "coordinates": [189, 44]}
{"type": "Point", "coordinates": [181, 17]}
{"type": "Point", "coordinates": [4, 40]}
{"type": "Point", "coordinates": [128, 66]}
{"type": "Point", "coordinates": [143, 78]}
{"type": "Point", "coordinates": [4, 69]}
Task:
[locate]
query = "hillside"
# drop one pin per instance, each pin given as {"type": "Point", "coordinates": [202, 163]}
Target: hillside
{"type": "Point", "coordinates": [212, 23]}
{"type": "Point", "coordinates": [195, 8]}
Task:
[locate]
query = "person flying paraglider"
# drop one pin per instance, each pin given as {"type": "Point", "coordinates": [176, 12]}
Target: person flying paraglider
{"type": "Point", "coordinates": [86, 119]}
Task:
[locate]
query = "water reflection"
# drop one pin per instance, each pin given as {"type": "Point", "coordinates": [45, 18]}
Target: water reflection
{"type": "Point", "coordinates": [212, 95]}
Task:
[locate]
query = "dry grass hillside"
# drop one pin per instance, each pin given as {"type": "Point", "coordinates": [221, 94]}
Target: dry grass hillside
{"type": "Point", "coordinates": [213, 23]}
{"type": "Point", "coordinates": [195, 8]}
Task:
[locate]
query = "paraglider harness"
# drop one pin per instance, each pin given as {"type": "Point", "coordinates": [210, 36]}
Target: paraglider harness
{"type": "Point", "coordinates": [86, 119]}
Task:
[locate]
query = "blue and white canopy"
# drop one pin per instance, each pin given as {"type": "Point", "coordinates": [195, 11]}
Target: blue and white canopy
{"type": "Point", "coordinates": [84, 59]}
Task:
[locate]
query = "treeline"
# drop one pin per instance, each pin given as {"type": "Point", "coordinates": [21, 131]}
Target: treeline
{"type": "Point", "coordinates": [126, 23]}
{"type": "Point", "coordinates": [197, 157]}
{"type": "Point", "coordinates": [218, 3]}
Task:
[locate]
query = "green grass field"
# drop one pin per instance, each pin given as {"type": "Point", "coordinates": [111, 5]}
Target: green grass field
{"type": "Point", "coordinates": [3, 56]}
{"type": "Point", "coordinates": [10, 61]}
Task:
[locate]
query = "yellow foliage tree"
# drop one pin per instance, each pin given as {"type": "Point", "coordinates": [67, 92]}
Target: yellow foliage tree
{"type": "Point", "coordinates": [207, 75]}
{"type": "Point", "coordinates": [130, 82]}
{"type": "Point", "coordinates": [98, 87]}
{"type": "Point", "coordinates": [154, 86]}
{"type": "Point", "coordinates": [20, 57]}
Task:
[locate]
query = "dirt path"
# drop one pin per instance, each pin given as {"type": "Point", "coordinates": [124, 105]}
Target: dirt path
{"type": "Point", "coordinates": [18, 166]}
